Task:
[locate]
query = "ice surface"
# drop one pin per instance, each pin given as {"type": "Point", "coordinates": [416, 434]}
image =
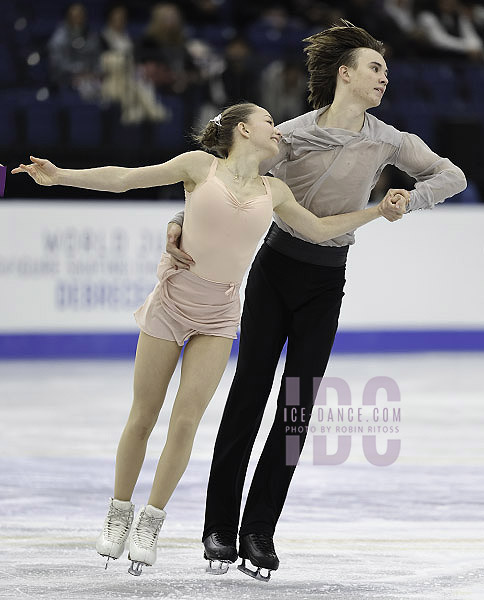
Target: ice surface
{"type": "Point", "coordinates": [412, 530]}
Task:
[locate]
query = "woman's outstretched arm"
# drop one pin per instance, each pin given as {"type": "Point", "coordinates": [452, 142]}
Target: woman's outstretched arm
{"type": "Point", "coordinates": [117, 179]}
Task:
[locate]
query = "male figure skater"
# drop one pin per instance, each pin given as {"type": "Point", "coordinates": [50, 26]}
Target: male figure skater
{"type": "Point", "coordinates": [331, 158]}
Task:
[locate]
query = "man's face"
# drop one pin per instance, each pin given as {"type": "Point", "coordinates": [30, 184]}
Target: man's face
{"type": "Point", "coordinates": [369, 79]}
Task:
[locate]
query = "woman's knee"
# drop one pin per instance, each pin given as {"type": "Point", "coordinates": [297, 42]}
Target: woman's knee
{"type": "Point", "coordinates": [185, 426]}
{"type": "Point", "coordinates": [140, 424]}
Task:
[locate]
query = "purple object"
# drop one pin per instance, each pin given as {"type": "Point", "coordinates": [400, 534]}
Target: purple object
{"type": "Point", "coordinates": [3, 176]}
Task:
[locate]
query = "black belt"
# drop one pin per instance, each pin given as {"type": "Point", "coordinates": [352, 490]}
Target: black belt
{"type": "Point", "coordinates": [314, 254]}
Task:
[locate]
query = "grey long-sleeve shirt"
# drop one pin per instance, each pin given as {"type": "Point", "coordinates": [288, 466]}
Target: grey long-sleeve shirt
{"type": "Point", "coordinates": [332, 171]}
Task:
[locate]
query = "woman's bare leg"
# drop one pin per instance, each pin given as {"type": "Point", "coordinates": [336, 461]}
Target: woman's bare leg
{"type": "Point", "coordinates": [155, 362]}
{"type": "Point", "coordinates": [204, 361]}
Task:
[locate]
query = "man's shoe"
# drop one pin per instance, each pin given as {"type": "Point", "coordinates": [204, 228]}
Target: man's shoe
{"type": "Point", "coordinates": [219, 548]}
{"type": "Point", "coordinates": [259, 549]}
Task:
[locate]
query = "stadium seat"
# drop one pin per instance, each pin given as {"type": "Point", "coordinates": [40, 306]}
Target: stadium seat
{"type": "Point", "coordinates": [8, 128]}
{"type": "Point", "coordinates": [416, 116]}
{"type": "Point", "coordinates": [273, 43]}
{"type": "Point", "coordinates": [126, 139]}
{"type": "Point", "coordinates": [473, 80]}
{"type": "Point", "coordinates": [215, 35]}
{"type": "Point", "coordinates": [8, 72]}
{"type": "Point", "coordinates": [170, 134]}
{"type": "Point", "coordinates": [42, 124]}
{"type": "Point", "coordinates": [437, 82]}
{"type": "Point", "coordinates": [84, 125]}
{"type": "Point", "coordinates": [402, 80]}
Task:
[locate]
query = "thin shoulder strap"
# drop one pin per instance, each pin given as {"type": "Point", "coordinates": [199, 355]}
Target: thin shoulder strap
{"type": "Point", "coordinates": [213, 168]}
{"type": "Point", "coordinates": [210, 173]}
{"type": "Point", "coordinates": [267, 185]}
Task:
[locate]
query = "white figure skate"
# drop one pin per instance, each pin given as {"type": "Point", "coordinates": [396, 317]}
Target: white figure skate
{"type": "Point", "coordinates": [144, 538]}
{"type": "Point", "coordinates": [117, 525]}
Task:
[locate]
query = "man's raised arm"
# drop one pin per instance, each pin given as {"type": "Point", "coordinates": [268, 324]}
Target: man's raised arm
{"type": "Point", "coordinates": [437, 178]}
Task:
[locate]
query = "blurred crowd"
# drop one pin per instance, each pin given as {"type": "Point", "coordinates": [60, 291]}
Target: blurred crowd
{"type": "Point", "coordinates": [203, 51]}
{"type": "Point", "coordinates": [147, 59]}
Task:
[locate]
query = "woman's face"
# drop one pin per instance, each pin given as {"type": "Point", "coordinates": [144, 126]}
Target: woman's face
{"type": "Point", "coordinates": [263, 133]}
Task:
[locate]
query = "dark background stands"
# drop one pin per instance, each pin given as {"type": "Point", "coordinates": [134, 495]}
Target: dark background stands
{"type": "Point", "coordinates": [97, 82]}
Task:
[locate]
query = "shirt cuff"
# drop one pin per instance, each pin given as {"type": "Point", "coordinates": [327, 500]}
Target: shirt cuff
{"type": "Point", "coordinates": [178, 218]}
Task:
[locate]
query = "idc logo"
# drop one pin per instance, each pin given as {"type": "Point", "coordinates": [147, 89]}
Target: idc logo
{"type": "Point", "coordinates": [343, 422]}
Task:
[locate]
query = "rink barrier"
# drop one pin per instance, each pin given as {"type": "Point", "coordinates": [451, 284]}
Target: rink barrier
{"type": "Point", "coordinates": [123, 345]}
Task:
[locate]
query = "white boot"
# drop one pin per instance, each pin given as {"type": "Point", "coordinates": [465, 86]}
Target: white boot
{"type": "Point", "coordinates": [116, 528]}
{"type": "Point", "coordinates": [144, 538]}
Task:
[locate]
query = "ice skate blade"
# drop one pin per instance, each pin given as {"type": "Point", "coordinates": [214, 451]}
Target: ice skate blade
{"type": "Point", "coordinates": [255, 574]}
{"type": "Point", "coordinates": [107, 557]}
{"type": "Point", "coordinates": [219, 570]}
{"type": "Point", "coordinates": [136, 568]}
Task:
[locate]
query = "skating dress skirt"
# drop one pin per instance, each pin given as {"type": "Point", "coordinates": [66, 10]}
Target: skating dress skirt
{"type": "Point", "coordinates": [221, 234]}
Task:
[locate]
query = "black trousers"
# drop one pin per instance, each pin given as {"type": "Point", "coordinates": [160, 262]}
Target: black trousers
{"type": "Point", "coordinates": [284, 299]}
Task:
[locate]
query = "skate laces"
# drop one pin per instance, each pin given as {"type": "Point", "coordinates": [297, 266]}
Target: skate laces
{"type": "Point", "coordinates": [263, 542]}
{"type": "Point", "coordinates": [118, 523]}
{"type": "Point", "coordinates": [147, 530]}
{"type": "Point", "coordinates": [225, 539]}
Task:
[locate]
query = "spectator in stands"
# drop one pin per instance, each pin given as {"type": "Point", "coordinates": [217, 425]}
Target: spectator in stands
{"type": "Point", "coordinates": [276, 31]}
{"type": "Point", "coordinates": [163, 52]}
{"type": "Point", "coordinates": [74, 52]}
{"type": "Point", "coordinates": [319, 16]}
{"type": "Point", "coordinates": [401, 13]}
{"type": "Point", "coordinates": [120, 82]}
{"type": "Point", "coordinates": [449, 32]}
{"type": "Point", "coordinates": [203, 12]}
{"type": "Point", "coordinates": [240, 77]}
{"type": "Point", "coordinates": [367, 13]}
{"type": "Point", "coordinates": [210, 64]}
{"type": "Point", "coordinates": [245, 13]}
{"type": "Point", "coordinates": [392, 21]}
{"type": "Point", "coordinates": [283, 89]}
{"type": "Point", "coordinates": [228, 79]}
{"type": "Point", "coordinates": [115, 35]}
{"type": "Point", "coordinates": [402, 35]}
{"type": "Point", "coordinates": [475, 11]}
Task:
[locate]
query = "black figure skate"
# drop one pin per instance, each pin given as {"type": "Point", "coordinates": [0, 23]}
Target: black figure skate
{"type": "Point", "coordinates": [259, 549]}
{"type": "Point", "coordinates": [219, 549]}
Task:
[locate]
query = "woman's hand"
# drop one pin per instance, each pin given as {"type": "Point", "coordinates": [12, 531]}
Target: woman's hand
{"type": "Point", "coordinates": [394, 204]}
{"type": "Point", "coordinates": [41, 170]}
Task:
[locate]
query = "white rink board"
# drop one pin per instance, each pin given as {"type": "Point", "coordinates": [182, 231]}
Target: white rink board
{"type": "Point", "coordinates": [86, 266]}
{"type": "Point", "coordinates": [425, 271]}
{"type": "Point", "coordinates": [78, 266]}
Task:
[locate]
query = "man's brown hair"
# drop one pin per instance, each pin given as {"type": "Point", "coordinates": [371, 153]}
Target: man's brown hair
{"type": "Point", "coordinates": [327, 51]}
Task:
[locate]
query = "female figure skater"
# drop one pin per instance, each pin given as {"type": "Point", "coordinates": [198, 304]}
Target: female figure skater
{"type": "Point", "coordinates": [200, 305]}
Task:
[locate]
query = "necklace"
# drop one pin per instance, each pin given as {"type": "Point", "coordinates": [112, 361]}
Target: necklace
{"type": "Point", "coordinates": [236, 176]}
